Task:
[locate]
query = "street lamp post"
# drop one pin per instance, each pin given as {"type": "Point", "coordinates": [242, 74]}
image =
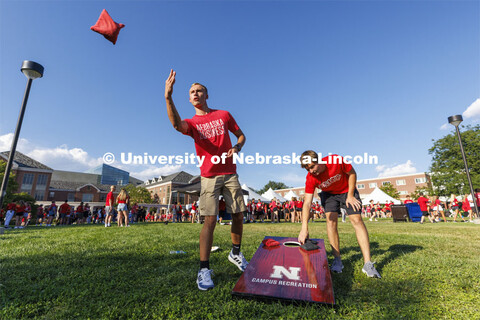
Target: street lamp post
{"type": "Point", "coordinates": [32, 71]}
{"type": "Point", "coordinates": [456, 120]}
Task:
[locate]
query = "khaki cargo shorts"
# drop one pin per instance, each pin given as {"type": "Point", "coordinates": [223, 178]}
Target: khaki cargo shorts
{"type": "Point", "coordinates": [225, 185]}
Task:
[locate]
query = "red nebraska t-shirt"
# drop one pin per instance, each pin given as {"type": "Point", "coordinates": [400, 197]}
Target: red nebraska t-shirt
{"type": "Point", "coordinates": [210, 133]}
{"type": "Point", "coordinates": [110, 196]}
{"type": "Point", "coordinates": [408, 201]}
{"type": "Point", "coordinates": [422, 202]}
{"type": "Point", "coordinates": [333, 179]}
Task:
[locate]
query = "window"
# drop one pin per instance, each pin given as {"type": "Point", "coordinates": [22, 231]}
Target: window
{"type": "Point", "coordinates": [52, 194]}
{"type": "Point", "coordinates": [360, 186]}
{"type": "Point", "coordinates": [39, 195]}
{"type": "Point", "coordinates": [87, 197]}
{"type": "Point", "coordinates": [27, 182]}
{"type": "Point", "coordinates": [302, 191]}
{"type": "Point", "coordinates": [372, 185]}
{"type": "Point", "coordinates": [401, 182]}
{"type": "Point", "coordinates": [384, 183]}
{"type": "Point", "coordinates": [402, 192]}
{"type": "Point", "coordinates": [103, 197]}
{"type": "Point", "coordinates": [71, 197]}
{"type": "Point", "coordinates": [42, 180]}
{"type": "Point", "coordinates": [420, 180]}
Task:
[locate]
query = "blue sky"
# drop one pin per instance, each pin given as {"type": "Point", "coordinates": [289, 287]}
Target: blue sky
{"type": "Point", "coordinates": [345, 77]}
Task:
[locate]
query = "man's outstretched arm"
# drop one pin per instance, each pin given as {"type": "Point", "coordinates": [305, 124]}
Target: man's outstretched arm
{"type": "Point", "coordinates": [173, 115]}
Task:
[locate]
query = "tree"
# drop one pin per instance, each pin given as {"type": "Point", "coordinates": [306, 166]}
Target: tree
{"type": "Point", "coordinates": [12, 184]}
{"type": "Point", "coordinates": [448, 170]}
{"type": "Point", "coordinates": [390, 190]}
{"type": "Point", "coordinates": [427, 191]}
{"type": "Point", "coordinates": [138, 194]}
{"type": "Point", "coordinates": [274, 185]}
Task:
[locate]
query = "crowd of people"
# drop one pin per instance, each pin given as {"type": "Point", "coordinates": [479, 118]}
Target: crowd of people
{"type": "Point", "coordinates": [274, 211]}
{"type": "Point", "coordinates": [257, 211]}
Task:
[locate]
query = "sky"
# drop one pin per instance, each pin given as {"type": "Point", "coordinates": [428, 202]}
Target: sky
{"type": "Point", "coordinates": [344, 77]}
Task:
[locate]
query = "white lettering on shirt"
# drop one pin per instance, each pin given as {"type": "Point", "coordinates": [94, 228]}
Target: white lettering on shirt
{"type": "Point", "coordinates": [211, 129]}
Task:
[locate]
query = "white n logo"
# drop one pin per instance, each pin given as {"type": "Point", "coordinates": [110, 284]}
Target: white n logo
{"type": "Point", "coordinates": [280, 271]}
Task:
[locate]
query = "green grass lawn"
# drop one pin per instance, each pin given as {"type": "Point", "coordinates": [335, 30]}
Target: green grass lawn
{"type": "Point", "coordinates": [429, 271]}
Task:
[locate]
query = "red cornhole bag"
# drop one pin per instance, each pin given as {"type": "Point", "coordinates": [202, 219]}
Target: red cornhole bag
{"type": "Point", "coordinates": [270, 243]}
{"type": "Point", "coordinates": [107, 27]}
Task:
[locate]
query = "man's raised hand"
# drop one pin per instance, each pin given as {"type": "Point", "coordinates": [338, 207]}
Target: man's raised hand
{"type": "Point", "coordinates": [169, 84]}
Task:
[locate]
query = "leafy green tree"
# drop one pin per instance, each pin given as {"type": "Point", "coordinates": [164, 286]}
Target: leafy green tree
{"type": "Point", "coordinates": [12, 184]}
{"type": "Point", "coordinates": [447, 168]}
{"type": "Point", "coordinates": [427, 191]}
{"type": "Point", "coordinates": [390, 190]}
{"type": "Point", "coordinates": [274, 185]}
{"type": "Point", "coordinates": [138, 194]}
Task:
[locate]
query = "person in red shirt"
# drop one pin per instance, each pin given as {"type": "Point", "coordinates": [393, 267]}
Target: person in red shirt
{"type": "Point", "coordinates": [19, 214]}
{"type": "Point", "coordinates": [64, 210]}
{"type": "Point", "coordinates": [11, 207]}
{"type": "Point", "coordinates": [274, 210]}
{"type": "Point", "coordinates": [210, 130]}
{"type": "Point", "coordinates": [337, 180]}
{"type": "Point", "coordinates": [194, 212]}
{"type": "Point", "coordinates": [424, 204]}
{"type": "Point", "coordinates": [455, 208]}
{"type": "Point", "coordinates": [466, 207]}
{"type": "Point", "coordinates": [438, 209]}
{"type": "Point", "coordinates": [222, 210]}
{"type": "Point", "coordinates": [109, 203]}
{"type": "Point", "coordinates": [39, 215]}
{"type": "Point", "coordinates": [408, 200]}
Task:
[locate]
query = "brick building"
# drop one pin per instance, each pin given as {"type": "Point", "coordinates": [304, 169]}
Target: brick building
{"type": "Point", "coordinates": [161, 188]}
{"type": "Point", "coordinates": [31, 176]}
{"type": "Point", "coordinates": [405, 184]}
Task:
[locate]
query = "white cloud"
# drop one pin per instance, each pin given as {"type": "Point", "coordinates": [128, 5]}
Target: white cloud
{"type": "Point", "coordinates": [6, 143]}
{"type": "Point", "coordinates": [60, 158]}
{"type": "Point", "coordinates": [77, 159]}
{"type": "Point", "coordinates": [473, 111]}
{"type": "Point", "coordinates": [404, 168]}
{"type": "Point", "coordinates": [445, 126]}
{"type": "Point", "coordinates": [152, 171]}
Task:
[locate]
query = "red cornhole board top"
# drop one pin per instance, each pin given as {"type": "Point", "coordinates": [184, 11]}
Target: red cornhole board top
{"type": "Point", "coordinates": [287, 273]}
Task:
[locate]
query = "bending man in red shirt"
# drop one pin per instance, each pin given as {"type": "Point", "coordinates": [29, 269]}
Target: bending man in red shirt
{"type": "Point", "coordinates": [337, 180]}
{"type": "Point", "coordinates": [210, 128]}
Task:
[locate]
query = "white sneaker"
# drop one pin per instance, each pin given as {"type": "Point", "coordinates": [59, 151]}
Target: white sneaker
{"type": "Point", "coordinates": [370, 219]}
{"type": "Point", "coordinates": [108, 225]}
{"type": "Point", "coordinates": [204, 279]}
{"type": "Point", "coordinates": [238, 260]}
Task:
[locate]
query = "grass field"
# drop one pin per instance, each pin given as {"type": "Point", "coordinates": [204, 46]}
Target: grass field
{"type": "Point", "coordinates": [429, 271]}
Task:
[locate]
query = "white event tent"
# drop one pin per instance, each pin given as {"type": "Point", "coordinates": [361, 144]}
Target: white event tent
{"type": "Point", "coordinates": [290, 194]}
{"type": "Point", "coordinates": [252, 195]}
{"type": "Point", "coordinates": [270, 194]}
{"type": "Point", "coordinates": [378, 195]}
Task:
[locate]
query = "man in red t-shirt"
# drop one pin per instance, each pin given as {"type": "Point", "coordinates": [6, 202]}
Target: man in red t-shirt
{"type": "Point", "coordinates": [109, 203]}
{"type": "Point", "coordinates": [424, 206]}
{"type": "Point", "coordinates": [408, 200]}
{"type": "Point", "coordinates": [210, 130]}
{"type": "Point", "coordinates": [337, 180]}
{"type": "Point", "coordinates": [64, 210]}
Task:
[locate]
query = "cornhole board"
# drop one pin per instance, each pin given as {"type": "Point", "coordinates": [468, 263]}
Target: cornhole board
{"type": "Point", "coordinates": [287, 273]}
{"type": "Point", "coordinates": [414, 211]}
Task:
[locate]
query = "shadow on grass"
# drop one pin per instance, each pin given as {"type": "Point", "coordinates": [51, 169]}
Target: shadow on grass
{"type": "Point", "coordinates": [380, 290]}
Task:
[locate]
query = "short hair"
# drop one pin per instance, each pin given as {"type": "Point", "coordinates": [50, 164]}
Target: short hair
{"type": "Point", "coordinates": [308, 157]}
{"type": "Point", "coordinates": [196, 83]}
